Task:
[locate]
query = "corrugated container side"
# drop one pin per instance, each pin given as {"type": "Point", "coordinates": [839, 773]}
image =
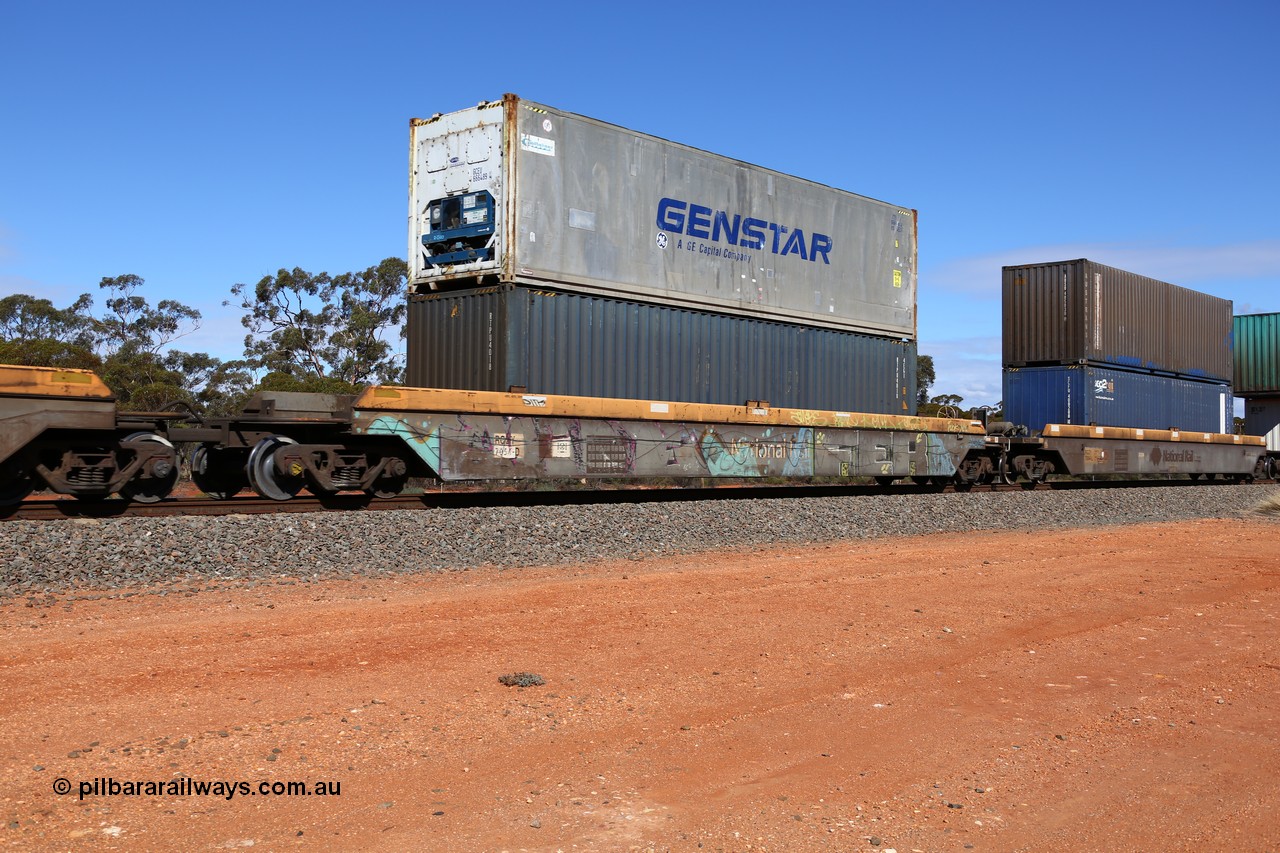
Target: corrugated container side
{"type": "Point", "coordinates": [1081, 394]}
{"type": "Point", "coordinates": [1262, 417]}
{"type": "Point", "coordinates": [567, 343]}
{"type": "Point", "coordinates": [1200, 334]}
{"type": "Point", "coordinates": [1083, 312]}
{"type": "Point", "coordinates": [1257, 354]}
{"type": "Point", "coordinates": [518, 192]}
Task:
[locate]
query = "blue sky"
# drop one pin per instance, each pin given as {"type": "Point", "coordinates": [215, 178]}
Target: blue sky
{"type": "Point", "coordinates": [201, 145]}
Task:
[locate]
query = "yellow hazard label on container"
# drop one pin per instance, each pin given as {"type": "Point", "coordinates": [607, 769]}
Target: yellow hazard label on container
{"type": "Point", "coordinates": [897, 278]}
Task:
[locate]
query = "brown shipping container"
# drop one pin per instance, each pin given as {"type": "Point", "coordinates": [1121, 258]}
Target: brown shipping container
{"type": "Point", "coordinates": [1083, 312]}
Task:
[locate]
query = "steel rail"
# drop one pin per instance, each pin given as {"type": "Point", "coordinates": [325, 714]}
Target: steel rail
{"type": "Point", "coordinates": [47, 509]}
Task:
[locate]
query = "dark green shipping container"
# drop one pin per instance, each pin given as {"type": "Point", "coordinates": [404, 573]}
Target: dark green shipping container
{"type": "Point", "coordinates": [549, 342]}
{"type": "Point", "coordinates": [1257, 357]}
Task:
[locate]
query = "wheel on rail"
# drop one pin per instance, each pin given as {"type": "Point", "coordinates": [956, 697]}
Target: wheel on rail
{"type": "Point", "coordinates": [261, 470]}
{"type": "Point", "coordinates": [885, 482]}
{"type": "Point", "coordinates": [214, 474]}
{"type": "Point", "coordinates": [386, 487]}
{"type": "Point", "coordinates": [1005, 473]}
{"type": "Point", "coordinates": [15, 485]}
{"type": "Point", "coordinates": [158, 476]}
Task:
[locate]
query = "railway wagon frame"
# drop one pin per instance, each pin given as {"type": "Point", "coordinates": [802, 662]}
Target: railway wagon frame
{"type": "Point", "coordinates": [65, 433]}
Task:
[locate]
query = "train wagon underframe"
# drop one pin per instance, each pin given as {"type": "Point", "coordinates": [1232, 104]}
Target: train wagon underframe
{"type": "Point", "coordinates": [1109, 451]}
{"type": "Point", "coordinates": [63, 431]}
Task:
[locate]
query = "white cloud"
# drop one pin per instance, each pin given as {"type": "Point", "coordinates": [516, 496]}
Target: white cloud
{"type": "Point", "coordinates": [969, 367]}
{"type": "Point", "coordinates": [1183, 265]}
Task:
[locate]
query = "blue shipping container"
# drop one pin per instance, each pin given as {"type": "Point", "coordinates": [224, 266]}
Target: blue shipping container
{"type": "Point", "coordinates": [1084, 394]}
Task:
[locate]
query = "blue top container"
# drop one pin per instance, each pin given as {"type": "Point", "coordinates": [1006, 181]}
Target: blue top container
{"type": "Point", "coordinates": [1084, 394]}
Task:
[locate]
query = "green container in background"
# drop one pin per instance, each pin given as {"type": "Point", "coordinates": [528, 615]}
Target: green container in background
{"type": "Point", "coordinates": [1257, 354]}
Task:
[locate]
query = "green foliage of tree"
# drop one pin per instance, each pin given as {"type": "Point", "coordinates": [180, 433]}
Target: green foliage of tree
{"type": "Point", "coordinates": [128, 345]}
{"type": "Point", "coordinates": [312, 384]}
{"type": "Point", "coordinates": [131, 326]}
{"type": "Point", "coordinates": [925, 377]}
{"type": "Point", "coordinates": [48, 353]}
{"type": "Point", "coordinates": [34, 332]}
{"type": "Point", "coordinates": [316, 333]}
{"type": "Point", "coordinates": [215, 387]}
{"type": "Point", "coordinates": [132, 335]}
{"type": "Point", "coordinates": [313, 325]}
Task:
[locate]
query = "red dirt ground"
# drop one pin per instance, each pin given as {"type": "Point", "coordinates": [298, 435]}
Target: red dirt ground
{"type": "Point", "coordinates": [1102, 689]}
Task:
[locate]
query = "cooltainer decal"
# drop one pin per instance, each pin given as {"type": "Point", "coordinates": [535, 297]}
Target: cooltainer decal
{"type": "Point", "coordinates": [537, 144]}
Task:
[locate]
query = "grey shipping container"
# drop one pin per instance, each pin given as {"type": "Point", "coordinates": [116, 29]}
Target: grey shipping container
{"type": "Point", "coordinates": [1080, 394]}
{"type": "Point", "coordinates": [1083, 312]}
{"type": "Point", "coordinates": [549, 342]}
{"type": "Point", "coordinates": [1257, 354]}
{"type": "Point", "coordinates": [516, 192]}
{"type": "Point", "coordinates": [1262, 417]}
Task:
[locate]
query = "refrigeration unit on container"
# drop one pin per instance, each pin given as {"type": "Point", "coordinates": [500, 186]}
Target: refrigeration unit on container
{"type": "Point", "coordinates": [1085, 394]}
{"type": "Point", "coordinates": [1257, 355]}
{"type": "Point", "coordinates": [1262, 417]}
{"type": "Point", "coordinates": [516, 192]}
{"type": "Point", "coordinates": [1083, 312]}
{"type": "Point", "coordinates": [548, 342]}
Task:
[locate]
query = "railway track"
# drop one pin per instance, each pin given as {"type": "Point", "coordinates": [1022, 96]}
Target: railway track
{"type": "Point", "coordinates": [48, 509]}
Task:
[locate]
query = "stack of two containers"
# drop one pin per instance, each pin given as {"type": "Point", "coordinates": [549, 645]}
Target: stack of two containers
{"type": "Point", "coordinates": [1086, 343]}
{"type": "Point", "coordinates": [1257, 374]}
{"type": "Point", "coordinates": [556, 254]}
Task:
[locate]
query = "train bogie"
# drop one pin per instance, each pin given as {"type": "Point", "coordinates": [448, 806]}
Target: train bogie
{"type": "Point", "coordinates": [284, 442]}
{"type": "Point", "coordinates": [62, 432]}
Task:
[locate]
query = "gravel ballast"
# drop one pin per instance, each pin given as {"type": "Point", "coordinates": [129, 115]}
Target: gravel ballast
{"type": "Point", "coordinates": [53, 557]}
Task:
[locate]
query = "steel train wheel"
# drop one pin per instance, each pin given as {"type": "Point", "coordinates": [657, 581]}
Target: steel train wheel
{"type": "Point", "coordinates": [387, 488]}
{"type": "Point", "coordinates": [1006, 474]}
{"type": "Point", "coordinates": [261, 471]}
{"type": "Point", "coordinates": [213, 476]}
{"type": "Point", "coordinates": [164, 472]}
{"type": "Point", "coordinates": [15, 488]}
